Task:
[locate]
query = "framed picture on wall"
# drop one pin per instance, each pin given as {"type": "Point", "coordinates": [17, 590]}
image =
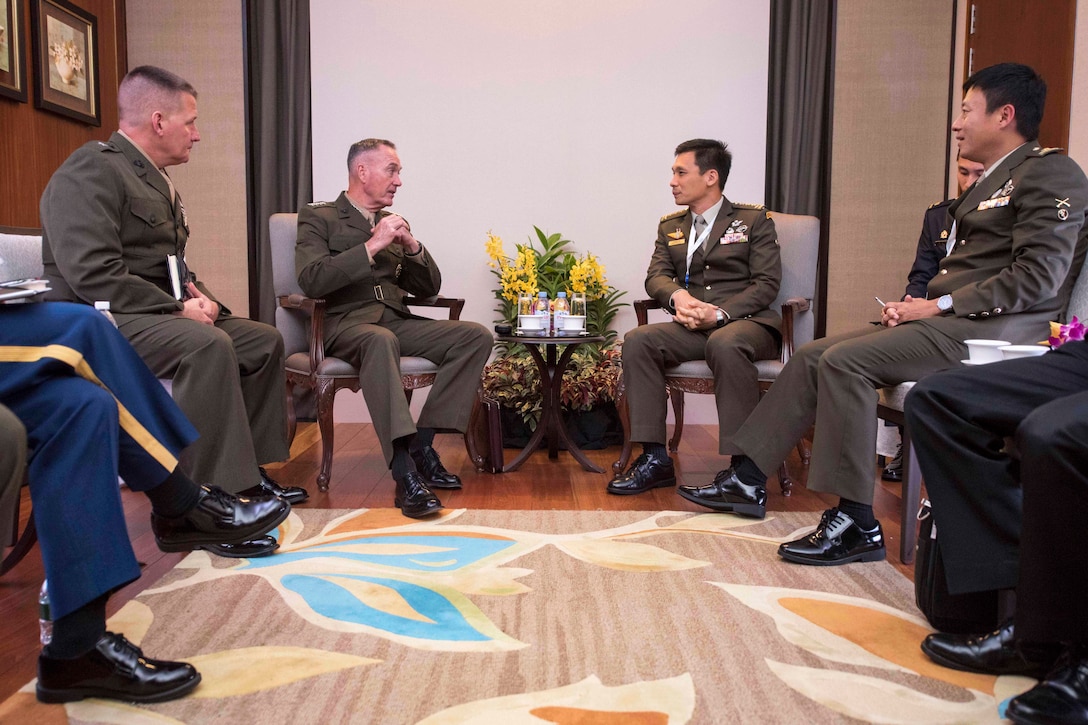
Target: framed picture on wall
{"type": "Point", "coordinates": [65, 53]}
{"type": "Point", "coordinates": [12, 51]}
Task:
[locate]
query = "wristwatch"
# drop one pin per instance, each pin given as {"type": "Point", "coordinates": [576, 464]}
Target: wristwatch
{"type": "Point", "coordinates": [944, 303]}
{"type": "Point", "coordinates": [723, 317]}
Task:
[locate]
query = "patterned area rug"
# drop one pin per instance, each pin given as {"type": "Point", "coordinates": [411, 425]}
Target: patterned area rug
{"type": "Point", "coordinates": [567, 617]}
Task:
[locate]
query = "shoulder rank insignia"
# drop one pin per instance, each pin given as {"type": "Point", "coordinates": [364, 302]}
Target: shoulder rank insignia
{"type": "Point", "coordinates": [944, 234]}
{"type": "Point", "coordinates": [319, 204]}
{"type": "Point", "coordinates": [673, 215]}
{"type": "Point", "coordinates": [935, 204]}
{"type": "Point", "coordinates": [1048, 150]}
{"type": "Point", "coordinates": [757, 207]}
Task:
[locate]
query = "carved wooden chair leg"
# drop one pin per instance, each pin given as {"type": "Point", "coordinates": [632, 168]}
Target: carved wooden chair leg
{"type": "Point", "coordinates": [677, 413]}
{"type": "Point", "coordinates": [784, 480]}
{"type": "Point", "coordinates": [625, 420]}
{"type": "Point", "coordinates": [292, 418]}
{"type": "Point", "coordinates": [326, 392]}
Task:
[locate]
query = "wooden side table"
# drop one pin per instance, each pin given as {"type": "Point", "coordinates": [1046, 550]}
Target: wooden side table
{"type": "Point", "coordinates": [551, 379]}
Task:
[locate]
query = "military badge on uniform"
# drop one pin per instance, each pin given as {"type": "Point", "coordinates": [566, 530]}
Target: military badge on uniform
{"type": "Point", "coordinates": [944, 234]}
{"type": "Point", "coordinates": [994, 203]}
{"type": "Point", "coordinates": [396, 274]}
{"type": "Point", "coordinates": [1063, 211]}
{"type": "Point", "coordinates": [1007, 188]}
{"type": "Point", "coordinates": [676, 238]}
{"type": "Point", "coordinates": [184, 216]}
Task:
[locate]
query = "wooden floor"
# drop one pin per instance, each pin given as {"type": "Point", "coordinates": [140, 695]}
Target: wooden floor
{"type": "Point", "coordinates": [360, 480]}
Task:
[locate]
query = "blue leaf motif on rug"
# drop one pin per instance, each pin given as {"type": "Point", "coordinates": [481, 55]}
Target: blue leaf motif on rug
{"type": "Point", "coordinates": [443, 621]}
{"type": "Point", "coordinates": [450, 552]}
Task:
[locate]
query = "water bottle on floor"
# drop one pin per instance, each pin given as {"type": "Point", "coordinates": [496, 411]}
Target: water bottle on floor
{"type": "Point", "coordinates": [45, 615]}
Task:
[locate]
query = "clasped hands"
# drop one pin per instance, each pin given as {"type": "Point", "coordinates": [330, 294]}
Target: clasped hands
{"type": "Point", "coordinates": [692, 313]}
{"type": "Point", "coordinates": [909, 309]}
{"type": "Point", "coordinates": [199, 307]}
{"type": "Point", "coordinates": [392, 229]}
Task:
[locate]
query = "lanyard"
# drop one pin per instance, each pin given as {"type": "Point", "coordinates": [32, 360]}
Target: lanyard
{"type": "Point", "coordinates": [694, 245]}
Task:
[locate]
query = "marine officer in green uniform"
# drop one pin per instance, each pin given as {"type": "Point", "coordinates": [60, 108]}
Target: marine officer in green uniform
{"type": "Point", "coordinates": [363, 260]}
{"type": "Point", "coordinates": [716, 267]}
{"type": "Point", "coordinates": [110, 217]}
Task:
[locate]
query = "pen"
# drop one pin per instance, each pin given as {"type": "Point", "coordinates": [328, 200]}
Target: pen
{"type": "Point", "coordinates": [880, 301]}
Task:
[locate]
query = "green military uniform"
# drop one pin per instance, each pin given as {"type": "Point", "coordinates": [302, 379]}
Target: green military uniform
{"type": "Point", "coordinates": [738, 269]}
{"type": "Point", "coordinates": [368, 324]}
{"type": "Point", "coordinates": [1019, 242]}
{"type": "Point", "coordinates": [12, 466]}
{"type": "Point", "coordinates": [109, 223]}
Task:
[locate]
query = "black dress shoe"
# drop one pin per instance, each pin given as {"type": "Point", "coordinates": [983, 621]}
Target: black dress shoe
{"type": "Point", "coordinates": [413, 498]}
{"type": "Point", "coordinates": [729, 494]}
{"type": "Point", "coordinates": [115, 669]}
{"type": "Point", "coordinates": [1061, 698]}
{"type": "Point", "coordinates": [264, 546]}
{"type": "Point", "coordinates": [837, 540]}
{"type": "Point", "coordinates": [894, 470]}
{"type": "Point", "coordinates": [996, 653]}
{"type": "Point", "coordinates": [219, 518]}
{"type": "Point", "coordinates": [645, 473]}
{"type": "Point", "coordinates": [268, 487]}
{"type": "Point", "coordinates": [434, 473]}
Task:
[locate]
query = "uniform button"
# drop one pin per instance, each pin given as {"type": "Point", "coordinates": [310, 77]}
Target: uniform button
{"type": "Point", "coordinates": [944, 271]}
{"type": "Point", "coordinates": [972, 316]}
{"type": "Point", "coordinates": [707, 267]}
{"type": "Point", "coordinates": [962, 242]}
{"type": "Point", "coordinates": [708, 286]}
{"type": "Point", "coordinates": [984, 313]}
{"type": "Point", "coordinates": [152, 218]}
{"type": "Point", "coordinates": [997, 310]}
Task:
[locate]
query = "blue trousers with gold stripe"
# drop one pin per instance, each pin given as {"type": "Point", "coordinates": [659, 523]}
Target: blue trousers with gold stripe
{"type": "Point", "coordinates": [92, 411]}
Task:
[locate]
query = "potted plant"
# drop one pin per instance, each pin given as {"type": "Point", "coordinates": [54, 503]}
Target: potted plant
{"type": "Point", "coordinates": [588, 388]}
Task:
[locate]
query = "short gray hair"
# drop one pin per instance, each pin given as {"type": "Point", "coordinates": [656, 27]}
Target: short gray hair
{"type": "Point", "coordinates": [367, 144]}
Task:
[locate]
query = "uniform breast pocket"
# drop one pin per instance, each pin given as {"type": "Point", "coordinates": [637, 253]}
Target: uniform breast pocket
{"type": "Point", "coordinates": [342, 243]}
{"type": "Point", "coordinates": [151, 212]}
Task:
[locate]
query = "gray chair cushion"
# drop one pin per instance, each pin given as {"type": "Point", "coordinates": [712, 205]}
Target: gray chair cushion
{"type": "Point", "coordinates": [894, 397]}
{"type": "Point", "coordinates": [20, 256]}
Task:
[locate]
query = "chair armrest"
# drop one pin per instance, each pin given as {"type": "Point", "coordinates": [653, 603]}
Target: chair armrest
{"type": "Point", "coordinates": [642, 307]}
{"type": "Point", "coordinates": [316, 309]}
{"type": "Point", "coordinates": [791, 307]}
{"type": "Point", "coordinates": [453, 304]}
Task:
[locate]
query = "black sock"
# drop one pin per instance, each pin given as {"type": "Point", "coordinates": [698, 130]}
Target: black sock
{"type": "Point", "coordinates": [76, 633]}
{"type": "Point", "coordinates": [402, 460]}
{"type": "Point", "coordinates": [861, 513]}
{"type": "Point", "coordinates": [175, 496]}
{"type": "Point", "coordinates": [748, 471]}
{"type": "Point", "coordinates": [424, 438]}
{"type": "Point", "coordinates": [655, 450]}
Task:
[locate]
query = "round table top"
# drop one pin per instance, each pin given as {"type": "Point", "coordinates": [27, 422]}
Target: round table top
{"type": "Point", "coordinates": [549, 339]}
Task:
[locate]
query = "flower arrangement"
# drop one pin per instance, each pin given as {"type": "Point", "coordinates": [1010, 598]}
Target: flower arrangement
{"type": "Point", "coordinates": [590, 379]}
{"type": "Point", "coordinates": [68, 58]}
{"type": "Point", "coordinates": [1060, 334]}
{"type": "Point", "coordinates": [553, 268]}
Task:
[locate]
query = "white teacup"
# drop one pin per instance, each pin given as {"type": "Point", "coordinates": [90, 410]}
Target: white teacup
{"type": "Point", "coordinates": [985, 351]}
{"type": "Point", "coordinates": [1011, 352]}
{"type": "Point", "coordinates": [573, 324]}
{"type": "Point", "coordinates": [532, 324]}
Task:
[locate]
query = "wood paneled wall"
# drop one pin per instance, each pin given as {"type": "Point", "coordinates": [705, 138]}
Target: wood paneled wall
{"type": "Point", "coordinates": [33, 142]}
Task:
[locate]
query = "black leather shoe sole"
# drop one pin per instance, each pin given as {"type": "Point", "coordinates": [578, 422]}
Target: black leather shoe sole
{"type": "Point", "coordinates": [264, 546]}
{"type": "Point", "coordinates": [199, 540]}
{"type": "Point", "coordinates": [443, 485]}
{"type": "Point", "coordinates": [662, 483]}
{"type": "Point", "coordinates": [863, 556]}
{"type": "Point", "coordinates": [417, 513]}
{"type": "Point", "coordinates": [754, 510]}
{"type": "Point", "coordinates": [293, 495]}
{"type": "Point", "coordinates": [891, 476]}
{"type": "Point", "coordinates": [55, 696]}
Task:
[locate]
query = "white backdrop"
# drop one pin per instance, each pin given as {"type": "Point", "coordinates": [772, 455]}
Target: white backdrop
{"type": "Point", "coordinates": [561, 113]}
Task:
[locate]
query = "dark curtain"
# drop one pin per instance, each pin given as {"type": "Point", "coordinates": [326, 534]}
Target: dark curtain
{"type": "Point", "coordinates": [799, 99]}
{"type": "Point", "coordinates": [800, 95]}
{"type": "Point", "coordinates": [278, 143]}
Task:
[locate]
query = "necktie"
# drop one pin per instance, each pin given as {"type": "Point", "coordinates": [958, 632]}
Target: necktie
{"type": "Point", "coordinates": [700, 225]}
